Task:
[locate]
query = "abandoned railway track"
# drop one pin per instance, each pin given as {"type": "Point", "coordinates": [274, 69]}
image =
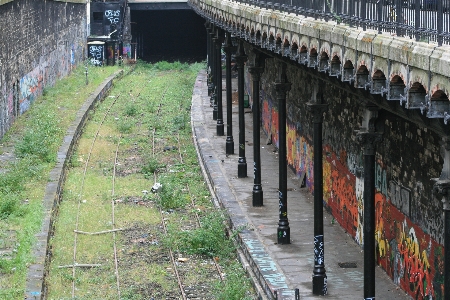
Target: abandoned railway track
{"type": "Point", "coordinates": [127, 242]}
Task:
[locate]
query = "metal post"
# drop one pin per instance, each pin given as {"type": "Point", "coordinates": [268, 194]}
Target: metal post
{"type": "Point", "coordinates": [241, 58]}
{"type": "Point", "coordinates": [208, 57]}
{"type": "Point", "coordinates": [417, 19]}
{"type": "Point", "coordinates": [319, 278]}
{"type": "Point", "coordinates": [219, 128]}
{"type": "Point", "coordinates": [256, 70]}
{"type": "Point", "coordinates": [367, 137]}
{"type": "Point", "coordinates": [380, 16]}
{"type": "Point", "coordinates": [282, 86]}
{"type": "Point", "coordinates": [212, 66]}
{"type": "Point", "coordinates": [364, 14]}
{"type": "Point", "coordinates": [217, 75]}
{"type": "Point", "coordinates": [440, 22]}
{"type": "Point", "coordinates": [229, 146]}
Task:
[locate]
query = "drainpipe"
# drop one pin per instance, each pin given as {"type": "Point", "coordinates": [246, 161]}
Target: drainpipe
{"type": "Point", "coordinates": [282, 86]}
{"type": "Point", "coordinates": [219, 107]}
{"type": "Point", "coordinates": [241, 58]}
{"type": "Point", "coordinates": [442, 188]}
{"type": "Point", "coordinates": [319, 277]}
{"type": "Point", "coordinates": [368, 138]}
{"type": "Point", "coordinates": [229, 146]}
{"type": "Point", "coordinates": [256, 70]}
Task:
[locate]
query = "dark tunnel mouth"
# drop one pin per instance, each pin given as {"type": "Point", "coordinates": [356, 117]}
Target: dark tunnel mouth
{"type": "Point", "coordinates": [168, 35]}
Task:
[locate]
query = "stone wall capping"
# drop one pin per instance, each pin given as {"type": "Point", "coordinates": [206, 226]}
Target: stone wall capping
{"type": "Point", "coordinates": [381, 45]}
{"type": "Point", "coordinates": [440, 60]}
{"type": "Point", "coordinates": [326, 30]}
{"type": "Point", "coordinates": [310, 27]}
{"type": "Point", "coordinates": [350, 38]}
{"type": "Point", "coordinates": [400, 49]}
{"type": "Point", "coordinates": [420, 55]}
{"type": "Point", "coordinates": [337, 36]}
{"type": "Point", "coordinates": [364, 41]}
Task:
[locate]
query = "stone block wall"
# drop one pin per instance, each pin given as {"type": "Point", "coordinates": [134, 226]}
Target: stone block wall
{"type": "Point", "coordinates": [409, 219]}
{"type": "Point", "coordinates": [40, 42]}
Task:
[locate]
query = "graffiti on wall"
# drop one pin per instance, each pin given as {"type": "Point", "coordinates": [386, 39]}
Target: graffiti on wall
{"type": "Point", "coordinates": [113, 16]}
{"type": "Point", "coordinates": [410, 256]}
{"type": "Point", "coordinates": [95, 53]}
{"type": "Point", "coordinates": [19, 95]}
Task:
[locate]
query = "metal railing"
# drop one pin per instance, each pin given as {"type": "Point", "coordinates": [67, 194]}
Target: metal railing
{"type": "Point", "coordinates": [423, 20]}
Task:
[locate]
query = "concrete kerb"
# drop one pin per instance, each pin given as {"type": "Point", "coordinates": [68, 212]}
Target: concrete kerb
{"type": "Point", "coordinates": [37, 271]}
{"type": "Point", "coordinates": [268, 280]}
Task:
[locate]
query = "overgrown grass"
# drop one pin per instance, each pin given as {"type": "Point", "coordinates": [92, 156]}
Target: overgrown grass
{"type": "Point", "coordinates": [35, 138]}
{"type": "Point", "coordinates": [152, 102]}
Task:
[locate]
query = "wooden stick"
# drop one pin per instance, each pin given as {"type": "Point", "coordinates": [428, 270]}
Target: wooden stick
{"type": "Point", "coordinates": [80, 265]}
{"type": "Point", "coordinates": [100, 232]}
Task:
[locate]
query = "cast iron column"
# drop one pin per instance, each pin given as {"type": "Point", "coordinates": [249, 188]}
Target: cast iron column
{"type": "Point", "coordinates": [208, 26]}
{"type": "Point", "coordinates": [241, 58]}
{"type": "Point", "coordinates": [319, 274]}
{"type": "Point", "coordinates": [256, 70]}
{"type": "Point", "coordinates": [368, 138]}
{"type": "Point", "coordinates": [281, 88]}
{"type": "Point", "coordinates": [212, 35]}
{"type": "Point", "coordinates": [217, 71]}
{"type": "Point", "coordinates": [219, 128]}
{"type": "Point", "coordinates": [229, 146]}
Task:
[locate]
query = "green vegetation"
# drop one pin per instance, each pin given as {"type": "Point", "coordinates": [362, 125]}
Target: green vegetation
{"type": "Point", "coordinates": [34, 139]}
{"type": "Point", "coordinates": [148, 122]}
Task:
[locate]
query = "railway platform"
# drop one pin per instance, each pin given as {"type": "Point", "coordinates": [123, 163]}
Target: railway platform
{"type": "Point", "coordinates": [278, 271]}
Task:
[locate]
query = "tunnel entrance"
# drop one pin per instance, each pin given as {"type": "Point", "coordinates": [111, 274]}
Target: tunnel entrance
{"type": "Point", "coordinates": [170, 35]}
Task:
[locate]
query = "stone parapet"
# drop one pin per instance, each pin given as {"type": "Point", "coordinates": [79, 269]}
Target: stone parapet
{"type": "Point", "coordinates": [405, 64]}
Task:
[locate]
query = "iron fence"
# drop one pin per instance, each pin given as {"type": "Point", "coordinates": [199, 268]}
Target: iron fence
{"type": "Point", "coordinates": [423, 20]}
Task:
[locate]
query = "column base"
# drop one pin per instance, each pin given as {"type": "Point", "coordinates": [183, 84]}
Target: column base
{"type": "Point", "coordinates": [320, 284]}
{"type": "Point", "coordinates": [284, 235]}
{"type": "Point", "coordinates": [257, 195]}
{"type": "Point", "coordinates": [215, 112]}
{"type": "Point", "coordinates": [229, 146]}
{"type": "Point", "coordinates": [220, 129]}
{"type": "Point", "coordinates": [242, 167]}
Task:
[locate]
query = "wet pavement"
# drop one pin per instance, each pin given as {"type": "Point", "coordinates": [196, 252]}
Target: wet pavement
{"type": "Point", "coordinates": [278, 270]}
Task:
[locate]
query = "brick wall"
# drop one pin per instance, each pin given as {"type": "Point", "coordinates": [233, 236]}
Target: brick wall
{"type": "Point", "coordinates": [409, 220]}
{"type": "Point", "coordinates": [40, 42]}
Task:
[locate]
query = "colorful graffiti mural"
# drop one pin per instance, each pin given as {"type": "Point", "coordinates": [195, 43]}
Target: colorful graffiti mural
{"type": "Point", "coordinates": [410, 256]}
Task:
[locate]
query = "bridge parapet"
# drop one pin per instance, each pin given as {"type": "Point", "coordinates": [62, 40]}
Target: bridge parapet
{"type": "Point", "coordinates": [414, 73]}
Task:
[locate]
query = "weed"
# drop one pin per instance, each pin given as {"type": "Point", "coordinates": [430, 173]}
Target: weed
{"type": "Point", "coordinates": [179, 122]}
{"type": "Point", "coordinates": [10, 205]}
{"type": "Point", "coordinates": [151, 166]}
{"type": "Point", "coordinates": [235, 285]}
{"type": "Point", "coordinates": [170, 196]}
{"type": "Point", "coordinates": [130, 110]}
{"type": "Point", "coordinates": [40, 139]}
{"type": "Point", "coordinates": [124, 126]}
{"type": "Point", "coordinates": [166, 66]}
{"type": "Point", "coordinates": [209, 239]}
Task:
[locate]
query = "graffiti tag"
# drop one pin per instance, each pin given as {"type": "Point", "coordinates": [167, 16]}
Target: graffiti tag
{"type": "Point", "coordinates": [113, 16]}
